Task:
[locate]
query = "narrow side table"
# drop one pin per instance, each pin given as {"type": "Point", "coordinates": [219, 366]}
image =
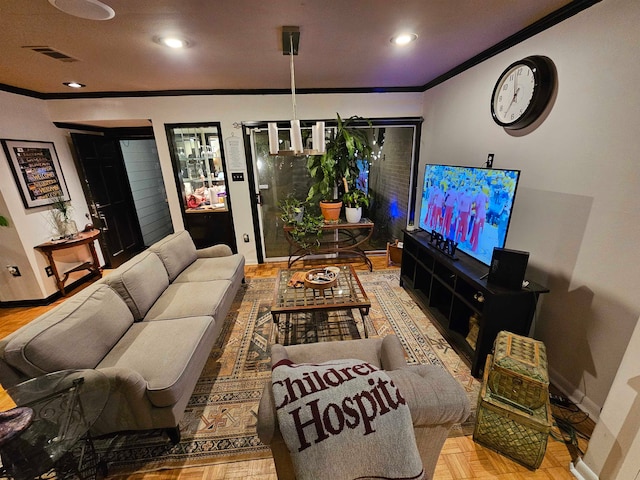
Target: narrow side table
{"type": "Point", "coordinates": [84, 238]}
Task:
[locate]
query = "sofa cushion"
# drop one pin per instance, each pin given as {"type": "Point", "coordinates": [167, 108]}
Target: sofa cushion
{"type": "Point", "coordinates": [218, 268]}
{"type": "Point", "coordinates": [177, 251]}
{"type": "Point", "coordinates": [193, 299]}
{"type": "Point", "coordinates": [76, 334]}
{"type": "Point", "coordinates": [139, 281]}
{"type": "Point", "coordinates": [168, 354]}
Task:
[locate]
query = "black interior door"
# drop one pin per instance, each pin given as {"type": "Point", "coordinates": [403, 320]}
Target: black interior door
{"type": "Point", "coordinates": [109, 193]}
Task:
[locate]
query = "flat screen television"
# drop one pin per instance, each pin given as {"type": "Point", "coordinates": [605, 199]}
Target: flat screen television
{"type": "Point", "coordinates": [468, 205]}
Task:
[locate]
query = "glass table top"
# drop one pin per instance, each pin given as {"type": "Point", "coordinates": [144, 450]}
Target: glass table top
{"type": "Point", "coordinates": [66, 404]}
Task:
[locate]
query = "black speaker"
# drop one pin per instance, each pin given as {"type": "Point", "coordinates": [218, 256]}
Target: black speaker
{"type": "Point", "coordinates": [508, 268]}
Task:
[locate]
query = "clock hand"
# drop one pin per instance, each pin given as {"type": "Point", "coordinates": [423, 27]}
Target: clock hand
{"type": "Point", "coordinates": [514, 99]}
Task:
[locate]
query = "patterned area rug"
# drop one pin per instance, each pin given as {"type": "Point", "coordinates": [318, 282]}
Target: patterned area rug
{"type": "Point", "coordinates": [220, 421]}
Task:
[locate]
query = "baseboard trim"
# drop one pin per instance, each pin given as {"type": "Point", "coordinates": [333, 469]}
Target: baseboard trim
{"type": "Point", "coordinates": [41, 302]}
{"type": "Point", "coordinates": [577, 396]}
{"type": "Point", "coordinates": [581, 470]}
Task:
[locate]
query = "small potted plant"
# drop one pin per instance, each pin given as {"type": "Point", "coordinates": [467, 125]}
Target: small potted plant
{"type": "Point", "coordinates": [63, 225]}
{"type": "Point", "coordinates": [354, 199]}
{"type": "Point", "coordinates": [308, 231]}
{"type": "Point", "coordinates": [291, 210]}
{"type": "Point", "coordinates": [307, 228]}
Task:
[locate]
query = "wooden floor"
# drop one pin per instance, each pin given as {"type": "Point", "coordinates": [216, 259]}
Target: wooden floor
{"type": "Point", "coordinates": [461, 457]}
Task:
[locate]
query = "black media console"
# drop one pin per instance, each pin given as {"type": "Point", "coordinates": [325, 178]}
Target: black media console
{"type": "Point", "coordinates": [454, 291]}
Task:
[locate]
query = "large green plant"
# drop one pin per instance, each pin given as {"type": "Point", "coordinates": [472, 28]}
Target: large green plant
{"type": "Point", "coordinates": [345, 147]}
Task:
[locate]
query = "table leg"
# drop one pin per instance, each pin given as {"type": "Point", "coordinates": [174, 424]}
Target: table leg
{"type": "Point", "coordinates": [56, 274]}
{"type": "Point", "coordinates": [364, 313]}
{"type": "Point", "coordinates": [94, 256]}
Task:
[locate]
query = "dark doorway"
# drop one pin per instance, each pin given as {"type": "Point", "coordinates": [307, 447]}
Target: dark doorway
{"type": "Point", "coordinates": [108, 193]}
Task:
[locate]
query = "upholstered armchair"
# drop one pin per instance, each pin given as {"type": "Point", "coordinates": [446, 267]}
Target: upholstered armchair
{"type": "Point", "coordinates": [435, 399]}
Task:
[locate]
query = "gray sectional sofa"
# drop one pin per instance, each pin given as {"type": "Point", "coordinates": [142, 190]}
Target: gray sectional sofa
{"type": "Point", "coordinates": [149, 326]}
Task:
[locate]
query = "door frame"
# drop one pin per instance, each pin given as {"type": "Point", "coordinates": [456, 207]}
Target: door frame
{"type": "Point", "coordinates": [248, 127]}
{"type": "Point", "coordinates": [175, 165]}
{"type": "Point", "coordinates": [116, 134]}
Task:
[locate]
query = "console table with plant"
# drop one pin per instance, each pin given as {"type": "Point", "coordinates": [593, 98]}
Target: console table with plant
{"type": "Point", "coordinates": [340, 238]}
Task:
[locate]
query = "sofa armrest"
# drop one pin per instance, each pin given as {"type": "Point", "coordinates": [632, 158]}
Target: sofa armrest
{"type": "Point", "coordinates": [215, 251]}
{"type": "Point", "coordinates": [433, 395]}
{"type": "Point", "coordinates": [128, 407]}
{"type": "Point", "coordinates": [392, 353]}
{"type": "Point", "coordinates": [267, 425]}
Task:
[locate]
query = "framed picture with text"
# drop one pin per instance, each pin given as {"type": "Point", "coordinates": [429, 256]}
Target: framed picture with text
{"type": "Point", "coordinates": [36, 170]}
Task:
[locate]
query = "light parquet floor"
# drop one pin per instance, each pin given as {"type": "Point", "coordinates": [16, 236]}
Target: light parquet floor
{"type": "Point", "coordinates": [460, 459]}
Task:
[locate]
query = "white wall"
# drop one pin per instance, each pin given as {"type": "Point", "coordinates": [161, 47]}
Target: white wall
{"type": "Point", "coordinates": [230, 111]}
{"type": "Point", "coordinates": [614, 448]}
{"type": "Point", "coordinates": [576, 209]}
{"type": "Point", "coordinates": [24, 118]}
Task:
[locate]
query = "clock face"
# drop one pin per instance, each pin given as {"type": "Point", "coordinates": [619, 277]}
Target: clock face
{"type": "Point", "coordinates": [515, 91]}
{"type": "Point", "coordinates": [522, 92]}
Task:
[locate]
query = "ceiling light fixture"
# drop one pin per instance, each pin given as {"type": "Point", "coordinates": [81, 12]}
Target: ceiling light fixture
{"type": "Point", "coordinates": [404, 39]}
{"type": "Point", "coordinates": [87, 9]}
{"type": "Point", "coordinates": [174, 42]}
{"type": "Point", "coordinates": [290, 44]}
{"type": "Point", "coordinates": [74, 84]}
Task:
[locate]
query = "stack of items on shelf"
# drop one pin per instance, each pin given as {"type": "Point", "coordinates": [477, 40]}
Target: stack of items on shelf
{"type": "Point", "coordinates": [514, 413]}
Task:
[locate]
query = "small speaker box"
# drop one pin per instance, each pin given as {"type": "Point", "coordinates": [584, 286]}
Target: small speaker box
{"type": "Point", "coordinates": [508, 268]}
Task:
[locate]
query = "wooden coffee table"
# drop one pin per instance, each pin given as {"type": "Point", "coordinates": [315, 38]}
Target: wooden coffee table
{"type": "Point", "coordinates": [347, 294]}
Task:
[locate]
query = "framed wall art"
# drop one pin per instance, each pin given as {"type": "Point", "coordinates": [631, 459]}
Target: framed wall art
{"type": "Point", "coordinates": [37, 171]}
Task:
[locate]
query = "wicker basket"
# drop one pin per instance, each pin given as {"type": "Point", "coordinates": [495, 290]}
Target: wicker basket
{"type": "Point", "coordinates": [511, 432]}
{"type": "Point", "coordinates": [519, 370]}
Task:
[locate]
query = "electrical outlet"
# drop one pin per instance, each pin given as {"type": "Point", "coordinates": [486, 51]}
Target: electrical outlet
{"type": "Point", "coordinates": [49, 271]}
{"type": "Point", "coordinates": [14, 270]}
{"type": "Point", "coordinates": [490, 160]}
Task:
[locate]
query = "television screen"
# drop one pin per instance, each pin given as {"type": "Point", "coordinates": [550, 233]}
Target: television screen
{"type": "Point", "coordinates": [469, 206]}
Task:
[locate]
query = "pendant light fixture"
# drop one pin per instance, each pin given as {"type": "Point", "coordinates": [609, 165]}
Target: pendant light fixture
{"type": "Point", "coordinates": [290, 44]}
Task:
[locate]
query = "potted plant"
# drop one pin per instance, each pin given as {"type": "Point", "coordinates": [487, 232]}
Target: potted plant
{"type": "Point", "coordinates": [354, 200]}
{"type": "Point", "coordinates": [63, 225]}
{"type": "Point", "coordinates": [339, 163]}
{"type": "Point", "coordinates": [308, 231]}
{"type": "Point", "coordinates": [307, 228]}
{"type": "Point", "coordinates": [291, 210]}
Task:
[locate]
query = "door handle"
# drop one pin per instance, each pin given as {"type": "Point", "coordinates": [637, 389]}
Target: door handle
{"type": "Point", "coordinates": [259, 198]}
{"type": "Point", "coordinates": [105, 225]}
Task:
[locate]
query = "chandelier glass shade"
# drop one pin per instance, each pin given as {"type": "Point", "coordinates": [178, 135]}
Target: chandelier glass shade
{"type": "Point", "coordinates": [296, 145]}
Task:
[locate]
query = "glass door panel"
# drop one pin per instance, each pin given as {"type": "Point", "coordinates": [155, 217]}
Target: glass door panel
{"type": "Point", "coordinates": [387, 178]}
{"type": "Point", "coordinates": [199, 167]}
{"type": "Point", "coordinates": [277, 176]}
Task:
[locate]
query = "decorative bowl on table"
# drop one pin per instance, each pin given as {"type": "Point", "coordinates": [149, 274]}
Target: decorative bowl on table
{"type": "Point", "coordinates": [321, 278]}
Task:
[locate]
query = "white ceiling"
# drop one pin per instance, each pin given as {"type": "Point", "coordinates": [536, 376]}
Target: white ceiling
{"type": "Point", "coordinates": [236, 44]}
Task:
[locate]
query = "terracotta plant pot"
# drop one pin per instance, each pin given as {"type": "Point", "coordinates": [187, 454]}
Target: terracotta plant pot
{"type": "Point", "coordinates": [331, 211]}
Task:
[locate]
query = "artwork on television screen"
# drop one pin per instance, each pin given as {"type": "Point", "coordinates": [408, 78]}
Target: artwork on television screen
{"type": "Point", "coordinates": [468, 208]}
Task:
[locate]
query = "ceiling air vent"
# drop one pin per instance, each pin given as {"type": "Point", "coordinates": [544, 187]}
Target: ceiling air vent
{"type": "Point", "coordinates": [50, 52]}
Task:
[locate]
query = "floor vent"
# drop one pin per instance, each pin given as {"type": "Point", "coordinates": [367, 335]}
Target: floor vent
{"type": "Point", "coordinates": [50, 52]}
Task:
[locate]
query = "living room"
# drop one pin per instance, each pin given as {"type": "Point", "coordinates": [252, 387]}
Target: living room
{"type": "Point", "coordinates": [572, 211]}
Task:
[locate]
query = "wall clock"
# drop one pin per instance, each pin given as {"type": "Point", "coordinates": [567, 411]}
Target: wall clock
{"type": "Point", "coordinates": [522, 92]}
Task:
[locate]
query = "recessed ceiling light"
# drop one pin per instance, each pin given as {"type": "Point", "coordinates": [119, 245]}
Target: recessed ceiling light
{"type": "Point", "coordinates": [172, 42]}
{"type": "Point", "coordinates": [404, 38]}
{"type": "Point", "coordinates": [87, 9]}
{"type": "Point", "coordinates": [74, 84]}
